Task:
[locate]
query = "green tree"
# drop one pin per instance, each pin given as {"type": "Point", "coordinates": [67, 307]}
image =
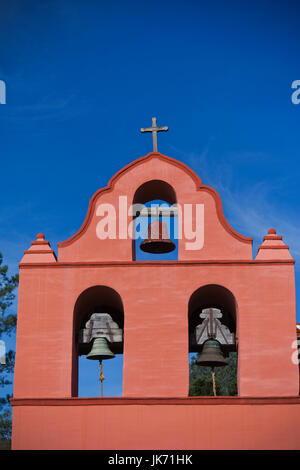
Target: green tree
{"type": "Point", "coordinates": [7, 326]}
{"type": "Point", "coordinates": [201, 378]}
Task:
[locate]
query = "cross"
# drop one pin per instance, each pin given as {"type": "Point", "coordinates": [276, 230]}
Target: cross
{"type": "Point", "coordinates": [154, 129]}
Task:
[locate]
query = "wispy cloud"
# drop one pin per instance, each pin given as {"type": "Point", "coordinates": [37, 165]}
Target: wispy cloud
{"type": "Point", "coordinates": [49, 107]}
{"type": "Point", "coordinates": [251, 210]}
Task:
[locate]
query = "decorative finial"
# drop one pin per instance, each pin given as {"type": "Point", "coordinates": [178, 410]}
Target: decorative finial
{"type": "Point", "coordinates": [154, 129]}
{"type": "Point", "coordinates": [40, 237]}
{"type": "Point", "coordinates": [272, 231]}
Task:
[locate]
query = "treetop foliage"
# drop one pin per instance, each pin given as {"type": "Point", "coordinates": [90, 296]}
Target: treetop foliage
{"type": "Point", "coordinates": [226, 379]}
{"type": "Point", "coordinates": [7, 326]}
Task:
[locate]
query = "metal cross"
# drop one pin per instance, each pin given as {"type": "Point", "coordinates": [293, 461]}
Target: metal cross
{"type": "Point", "coordinates": [154, 129]}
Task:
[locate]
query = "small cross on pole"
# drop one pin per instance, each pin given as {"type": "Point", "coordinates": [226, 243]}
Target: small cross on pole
{"type": "Point", "coordinates": [154, 129]}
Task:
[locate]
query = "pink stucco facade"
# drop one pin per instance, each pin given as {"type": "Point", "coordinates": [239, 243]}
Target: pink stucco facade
{"type": "Point", "coordinates": [155, 298]}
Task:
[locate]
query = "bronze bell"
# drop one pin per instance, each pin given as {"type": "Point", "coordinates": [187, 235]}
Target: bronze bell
{"type": "Point", "coordinates": [100, 350]}
{"type": "Point", "coordinates": [158, 240]}
{"type": "Point", "coordinates": [211, 355]}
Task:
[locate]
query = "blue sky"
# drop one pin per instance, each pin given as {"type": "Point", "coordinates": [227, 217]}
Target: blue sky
{"type": "Point", "coordinates": [83, 76]}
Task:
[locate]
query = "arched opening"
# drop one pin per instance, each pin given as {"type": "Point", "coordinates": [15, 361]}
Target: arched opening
{"type": "Point", "coordinates": [155, 189]}
{"type": "Point", "coordinates": [105, 303]}
{"type": "Point", "coordinates": [212, 313]}
{"type": "Point", "coordinates": [157, 197]}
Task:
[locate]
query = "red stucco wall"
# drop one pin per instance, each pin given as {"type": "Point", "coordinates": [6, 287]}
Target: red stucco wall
{"type": "Point", "coordinates": [272, 424]}
{"type": "Point", "coordinates": [155, 297]}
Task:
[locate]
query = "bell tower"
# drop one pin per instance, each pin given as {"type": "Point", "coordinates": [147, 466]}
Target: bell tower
{"type": "Point", "coordinates": [96, 299]}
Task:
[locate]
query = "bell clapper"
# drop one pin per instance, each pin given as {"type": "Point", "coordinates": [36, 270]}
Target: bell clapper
{"type": "Point", "coordinates": [213, 381]}
{"type": "Point", "coordinates": [101, 377]}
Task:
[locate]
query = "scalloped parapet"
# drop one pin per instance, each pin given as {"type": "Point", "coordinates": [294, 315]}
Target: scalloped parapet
{"type": "Point", "coordinates": [216, 239]}
{"type": "Point", "coordinates": [39, 252]}
{"type": "Point", "coordinates": [273, 248]}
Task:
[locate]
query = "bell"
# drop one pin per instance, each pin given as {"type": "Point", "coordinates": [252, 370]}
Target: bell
{"type": "Point", "coordinates": [158, 240]}
{"type": "Point", "coordinates": [100, 350]}
{"type": "Point", "coordinates": [211, 355]}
